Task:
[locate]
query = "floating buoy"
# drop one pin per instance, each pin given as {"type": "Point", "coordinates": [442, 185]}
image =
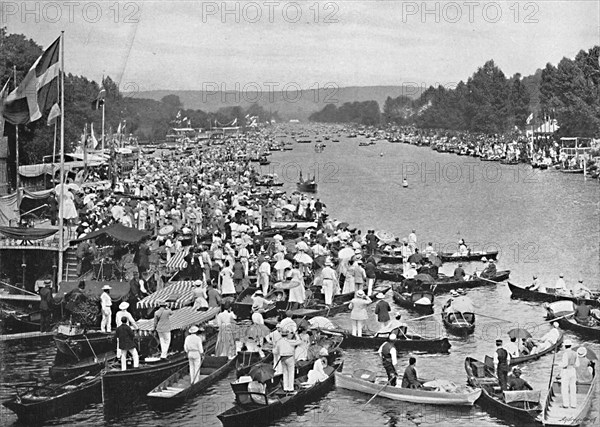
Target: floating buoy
{"type": "Point", "coordinates": [380, 154]}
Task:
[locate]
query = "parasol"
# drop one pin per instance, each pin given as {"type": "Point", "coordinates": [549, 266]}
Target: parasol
{"type": "Point", "coordinates": [346, 253]}
{"type": "Point", "coordinates": [282, 264]}
{"type": "Point", "coordinates": [303, 258]}
{"type": "Point", "coordinates": [590, 354]}
{"type": "Point", "coordinates": [342, 225]}
{"type": "Point", "coordinates": [435, 260]}
{"type": "Point", "coordinates": [519, 333]}
{"type": "Point", "coordinates": [262, 373]}
{"type": "Point", "coordinates": [287, 285]}
{"type": "Point", "coordinates": [166, 230]}
{"type": "Point", "coordinates": [385, 236]}
{"type": "Point", "coordinates": [117, 212]}
{"type": "Point", "coordinates": [424, 278]}
{"type": "Point", "coordinates": [320, 322]}
{"type": "Point", "coordinates": [302, 246]}
{"type": "Point", "coordinates": [462, 305]}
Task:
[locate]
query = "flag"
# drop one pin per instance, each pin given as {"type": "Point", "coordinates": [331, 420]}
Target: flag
{"type": "Point", "coordinates": [529, 119]}
{"type": "Point", "coordinates": [94, 140]}
{"type": "Point", "coordinates": [99, 101]}
{"type": "Point", "coordinates": [53, 114]}
{"type": "Point", "coordinates": [234, 122]}
{"type": "Point", "coordinates": [83, 140]}
{"type": "Point", "coordinates": [38, 91]}
{"type": "Point", "coordinates": [2, 97]}
{"type": "Point", "coordinates": [119, 129]}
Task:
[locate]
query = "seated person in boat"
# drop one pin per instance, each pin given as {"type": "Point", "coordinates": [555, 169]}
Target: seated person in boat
{"type": "Point", "coordinates": [490, 270]}
{"type": "Point", "coordinates": [516, 383]}
{"type": "Point", "coordinates": [548, 340]}
{"type": "Point", "coordinates": [462, 248]}
{"type": "Point", "coordinates": [410, 378]}
{"type": "Point", "coordinates": [430, 269]}
{"type": "Point", "coordinates": [560, 286]}
{"type": "Point", "coordinates": [536, 285]}
{"type": "Point", "coordinates": [512, 347]}
{"type": "Point", "coordinates": [259, 303]}
{"type": "Point", "coordinates": [527, 345]}
{"type": "Point", "coordinates": [394, 326]}
{"type": "Point", "coordinates": [581, 291]}
{"type": "Point", "coordinates": [317, 373]}
{"type": "Point", "coordinates": [585, 368]}
{"type": "Point", "coordinates": [459, 273]}
{"type": "Point", "coordinates": [582, 313]}
{"type": "Point", "coordinates": [412, 271]}
{"type": "Point", "coordinates": [301, 351]}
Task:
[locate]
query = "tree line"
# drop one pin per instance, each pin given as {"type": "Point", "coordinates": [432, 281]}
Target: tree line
{"type": "Point", "coordinates": [490, 102]}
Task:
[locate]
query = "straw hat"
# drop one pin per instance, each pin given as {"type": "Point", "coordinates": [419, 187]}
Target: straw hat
{"type": "Point", "coordinates": [124, 305]}
{"type": "Point", "coordinates": [194, 329]}
{"type": "Point", "coordinates": [392, 337]}
{"type": "Point", "coordinates": [106, 288]}
{"type": "Point", "coordinates": [360, 293]}
{"type": "Point", "coordinates": [568, 343]}
{"type": "Point", "coordinates": [581, 351]}
{"type": "Point", "coordinates": [379, 296]}
{"type": "Point", "coordinates": [323, 352]}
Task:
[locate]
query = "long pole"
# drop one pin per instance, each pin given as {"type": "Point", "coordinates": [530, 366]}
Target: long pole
{"type": "Point", "coordinates": [61, 237]}
{"type": "Point", "coordinates": [17, 180]}
{"type": "Point", "coordinates": [103, 102]}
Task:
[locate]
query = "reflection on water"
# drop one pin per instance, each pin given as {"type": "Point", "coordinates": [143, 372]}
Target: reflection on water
{"type": "Point", "coordinates": [542, 222]}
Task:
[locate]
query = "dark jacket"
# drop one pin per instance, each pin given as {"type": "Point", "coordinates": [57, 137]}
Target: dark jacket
{"type": "Point", "coordinates": [46, 299]}
{"type": "Point", "coordinates": [124, 334]}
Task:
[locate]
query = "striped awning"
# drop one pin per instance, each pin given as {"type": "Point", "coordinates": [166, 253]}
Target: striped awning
{"type": "Point", "coordinates": [181, 319]}
{"type": "Point", "coordinates": [177, 261]}
{"type": "Point", "coordinates": [177, 295]}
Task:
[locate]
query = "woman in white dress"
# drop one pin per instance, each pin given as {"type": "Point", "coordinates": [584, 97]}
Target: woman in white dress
{"type": "Point", "coordinates": [226, 285]}
{"type": "Point", "coordinates": [349, 285]}
{"type": "Point", "coordinates": [225, 342]}
{"type": "Point", "coordinates": [297, 293]}
{"type": "Point", "coordinates": [68, 211]}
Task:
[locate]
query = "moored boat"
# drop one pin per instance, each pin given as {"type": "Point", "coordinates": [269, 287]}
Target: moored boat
{"type": "Point", "coordinates": [178, 387]}
{"type": "Point", "coordinates": [51, 401]}
{"type": "Point", "coordinates": [587, 331]}
{"type": "Point", "coordinates": [458, 316]}
{"type": "Point", "coordinates": [389, 274]}
{"type": "Point", "coordinates": [529, 295]}
{"type": "Point", "coordinates": [519, 408]}
{"type": "Point", "coordinates": [445, 284]}
{"type": "Point", "coordinates": [253, 408]}
{"type": "Point", "coordinates": [535, 356]}
{"type": "Point", "coordinates": [429, 394]}
{"type": "Point", "coordinates": [554, 414]}
{"type": "Point", "coordinates": [404, 342]}
{"type": "Point", "coordinates": [420, 301]}
{"type": "Point", "coordinates": [92, 364]}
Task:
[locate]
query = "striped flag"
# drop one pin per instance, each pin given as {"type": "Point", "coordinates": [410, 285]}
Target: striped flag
{"type": "Point", "coordinates": [38, 91]}
{"type": "Point", "coordinates": [529, 119]}
{"type": "Point", "coordinates": [53, 114]}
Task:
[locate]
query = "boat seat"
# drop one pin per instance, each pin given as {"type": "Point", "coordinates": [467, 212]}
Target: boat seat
{"type": "Point", "coordinates": [530, 396]}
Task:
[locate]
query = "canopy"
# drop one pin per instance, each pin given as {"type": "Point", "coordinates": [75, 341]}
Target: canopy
{"type": "Point", "coordinates": [462, 305]}
{"type": "Point", "coordinates": [177, 295]}
{"type": "Point", "coordinates": [180, 319]}
{"type": "Point", "coordinates": [93, 289]}
{"type": "Point", "coordinates": [385, 236]}
{"type": "Point", "coordinates": [27, 233]}
{"type": "Point", "coordinates": [177, 261]}
{"type": "Point", "coordinates": [117, 232]}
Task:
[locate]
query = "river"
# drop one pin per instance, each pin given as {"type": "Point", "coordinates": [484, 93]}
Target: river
{"type": "Point", "coordinates": [542, 222]}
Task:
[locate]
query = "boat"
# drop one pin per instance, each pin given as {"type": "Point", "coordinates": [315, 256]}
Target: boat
{"type": "Point", "coordinates": [446, 283]}
{"type": "Point", "coordinates": [572, 170]}
{"type": "Point", "coordinates": [254, 409]}
{"type": "Point", "coordinates": [554, 414]}
{"type": "Point", "coordinates": [389, 274]}
{"type": "Point", "coordinates": [17, 322]}
{"type": "Point", "coordinates": [177, 388]}
{"type": "Point", "coordinates": [341, 298]}
{"type": "Point", "coordinates": [529, 295]}
{"type": "Point", "coordinates": [246, 360]}
{"type": "Point", "coordinates": [458, 316]}
{"type": "Point", "coordinates": [309, 186]}
{"type": "Point", "coordinates": [587, 331]}
{"type": "Point", "coordinates": [470, 256]}
{"type": "Point", "coordinates": [315, 310]}
{"type": "Point", "coordinates": [520, 409]}
{"type": "Point", "coordinates": [242, 306]}
{"type": "Point", "coordinates": [386, 258]}
{"type": "Point", "coordinates": [84, 345]}
{"type": "Point", "coordinates": [51, 401]}
{"type": "Point", "coordinates": [64, 370]}
{"type": "Point", "coordinates": [363, 382]}
{"type": "Point", "coordinates": [535, 356]}
{"type": "Point", "coordinates": [420, 301]}
{"type": "Point", "coordinates": [404, 342]}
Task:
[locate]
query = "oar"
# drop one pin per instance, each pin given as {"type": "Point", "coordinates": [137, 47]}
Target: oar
{"type": "Point", "coordinates": [556, 318]}
{"type": "Point", "coordinates": [375, 395]}
{"type": "Point", "coordinates": [487, 280]}
{"type": "Point", "coordinates": [22, 290]}
{"type": "Point", "coordinates": [91, 348]}
{"type": "Point", "coordinates": [552, 369]}
{"type": "Point", "coordinates": [422, 317]}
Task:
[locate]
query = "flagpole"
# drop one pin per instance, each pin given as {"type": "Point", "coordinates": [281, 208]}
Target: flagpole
{"type": "Point", "coordinates": [17, 180]}
{"type": "Point", "coordinates": [103, 126]}
{"type": "Point", "coordinates": [61, 237]}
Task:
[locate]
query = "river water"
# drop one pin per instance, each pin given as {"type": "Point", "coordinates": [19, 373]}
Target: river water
{"type": "Point", "coordinates": [542, 222]}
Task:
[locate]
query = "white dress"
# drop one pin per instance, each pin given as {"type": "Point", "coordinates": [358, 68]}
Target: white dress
{"type": "Point", "coordinates": [68, 206]}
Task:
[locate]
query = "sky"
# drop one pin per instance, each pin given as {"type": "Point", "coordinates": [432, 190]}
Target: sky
{"type": "Point", "coordinates": [193, 45]}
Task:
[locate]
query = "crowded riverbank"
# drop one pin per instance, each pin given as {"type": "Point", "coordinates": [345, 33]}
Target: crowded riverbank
{"type": "Point", "coordinates": [514, 215]}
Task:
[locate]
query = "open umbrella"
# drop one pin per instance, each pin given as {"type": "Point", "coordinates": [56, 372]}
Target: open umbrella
{"type": "Point", "coordinates": [590, 354]}
{"type": "Point", "coordinates": [302, 246]}
{"type": "Point", "coordinates": [462, 305]}
{"type": "Point", "coordinates": [303, 258]}
{"type": "Point", "coordinates": [424, 278]}
{"type": "Point", "coordinates": [435, 260]}
{"type": "Point", "coordinates": [302, 323]}
{"type": "Point", "coordinates": [320, 322]}
{"type": "Point", "coordinates": [342, 225]}
{"type": "Point", "coordinates": [519, 333]}
{"type": "Point", "coordinates": [74, 187]}
{"type": "Point", "coordinates": [346, 253]}
{"type": "Point", "coordinates": [385, 236]}
{"type": "Point", "coordinates": [282, 264]}
{"type": "Point", "coordinates": [166, 230]}
{"type": "Point", "coordinates": [262, 373]}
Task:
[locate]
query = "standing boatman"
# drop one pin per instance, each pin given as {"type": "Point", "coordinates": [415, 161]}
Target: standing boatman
{"type": "Point", "coordinates": [329, 280]}
{"type": "Point", "coordinates": [106, 304]}
{"type": "Point", "coordinates": [195, 352]}
{"type": "Point", "coordinates": [501, 363]}
{"type": "Point", "coordinates": [389, 358]}
{"type": "Point", "coordinates": [568, 376]}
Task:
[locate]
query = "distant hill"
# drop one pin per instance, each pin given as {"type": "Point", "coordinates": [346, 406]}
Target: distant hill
{"type": "Point", "coordinates": [290, 105]}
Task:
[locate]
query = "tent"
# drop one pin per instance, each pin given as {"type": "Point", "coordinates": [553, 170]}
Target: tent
{"type": "Point", "coordinates": [177, 295]}
{"type": "Point", "coordinates": [93, 289]}
{"type": "Point", "coordinates": [117, 232]}
{"type": "Point", "coordinates": [181, 319]}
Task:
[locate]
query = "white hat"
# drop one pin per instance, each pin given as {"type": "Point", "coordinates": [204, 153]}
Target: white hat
{"type": "Point", "coordinates": [124, 305]}
{"type": "Point", "coordinates": [380, 296]}
{"type": "Point", "coordinates": [581, 351]}
{"type": "Point", "coordinates": [197, 282]}
{"type": "Point", "coordinates": [360, 293]}
{"type": "Point", "coordinates": [106, 288]}
{"type": "Point", "coordinates": [328, 262]}
{"type": "Point", "coordinates": [453, 293]}
{"type": "Point", "coordinates": [555, 324]}
{"type": "Point", "coordinates": [278, 237]}
{"type": "Point", "coordinates": [392, 337]}
{"type": "Point", "coordinates": [568, 343]}
{"type": "Point", "coordinates": [323, 352]}
{"type": "Point", "coordinates": [413, 264]}
{"type": "Point", "coordinates": [194, 329]}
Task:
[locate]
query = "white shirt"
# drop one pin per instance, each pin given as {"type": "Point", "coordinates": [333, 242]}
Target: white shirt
{"type": "Point", "coordinates": [512, 348]}
{"type": "Point", "coordinates": [393, 353]}
{"type": "Point", "coordinates": [560, 284]}
{"type": "Point", "coordinates": [105, 300]}
{"type": "Point", "coordinates": [193, 346]}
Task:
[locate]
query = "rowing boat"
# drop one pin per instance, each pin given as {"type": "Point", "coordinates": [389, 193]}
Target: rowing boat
{"type": "Point", "coordinates": [457, 322]}
{"type": "Point", "coordinates": [592, 332]}
{"type": "Point", "coordinates": [471, 256]}
{"type": "Point", "coordinates": [389, 274]}
{"type": "Point", "coordinates": [554, 414]}
{"type": "Point", "coordinates": [257, 409]}
{"type": "Point", "coordinates": [445, 284]}
{"type": "Point", "coordinates": [405, 342]}
{"type": "Point", "coordinates": [518, 409]}
{"type": "Point", "coordinates": [92, 364]}
{"type": "Point", "coordinates": [178, 387]}
{"type": "Point", "coordinates": [535, 356]}
{"type": "Point", "coordinates": [242, 306]}
{"type": "Point", "coordinates": [529, 295]}
{"type": "Point", "coordinates": [419, 301]}
{"type": "Point", "coordinates": [51, 401]}
{"type": "Point", "coordinates": [430, 395]}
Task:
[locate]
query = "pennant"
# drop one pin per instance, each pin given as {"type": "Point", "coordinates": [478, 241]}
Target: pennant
{"type": "Point", "coordinates": [93, 137]}
{"type": "Point", "coordinates": [38, 91]}
{"type": "Point", "coordinates": [119, 129]}
{"type": "Point", "coordinates": [529, 119]}
{"type": "Point", "coordinates": [54, 114]}
{"type": "Point", "coordinates": [99, 101]}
